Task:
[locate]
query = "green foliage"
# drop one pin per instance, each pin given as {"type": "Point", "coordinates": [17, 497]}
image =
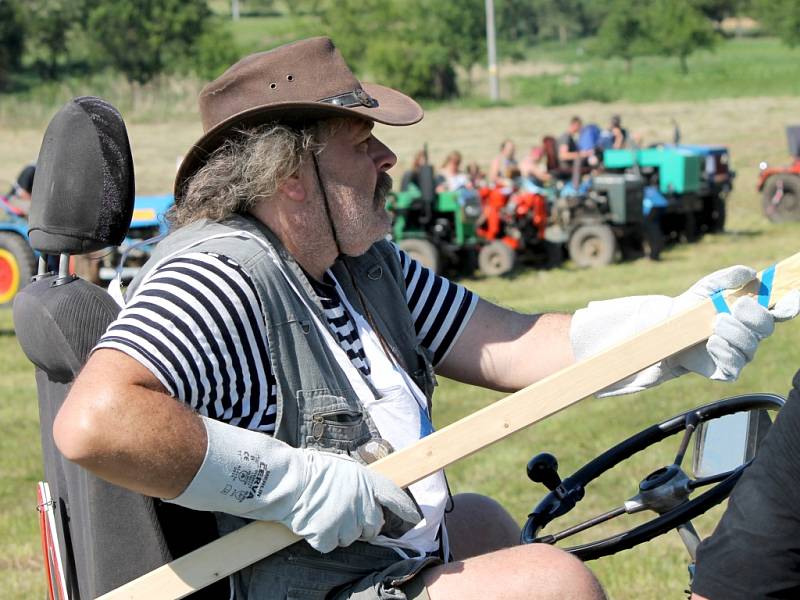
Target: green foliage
{"type": "Point", "coordinates": [420, 70]}
{"type": "Point", "coordinates": [517, 19]}
{"type": "Point", "coordinates": [569, 19]}
{"type": "Point", "coordinates": [304, 7]}
{"type": "Point", "coordinates": [667, 27]}
{"type": "Point", "coordinates": [12, 38]}
{"type": "Point", "coordinates": [717, 10]}
{"type": "Point", "coordinates": [782, 18]}
{"type": "Point", "coordinates": [676, 28]}
{"type": "Point", "coordinates": [213, 52]}
{"type": "Point", "coordinates": [257, 7]}
{"type": "Point", "coordinates": [413, 45]}
{"type": "Point", "coordinates": [142, 38]}
{"type": "Point", "coordinates": [51, 22]}
{"type": "Point", "coordinates": [623, 33]}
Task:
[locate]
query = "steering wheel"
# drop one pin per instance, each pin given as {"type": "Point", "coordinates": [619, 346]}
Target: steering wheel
{"type": "Point", "coordinates": [665, 491]}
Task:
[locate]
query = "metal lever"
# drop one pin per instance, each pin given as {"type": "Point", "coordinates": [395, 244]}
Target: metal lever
{"type": "Point", "coordinates": [543, 468]}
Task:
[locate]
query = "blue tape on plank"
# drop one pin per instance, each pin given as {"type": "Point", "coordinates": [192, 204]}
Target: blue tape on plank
{"type": "Point", "coordinates": [765, 289]}
{"type": "Point", "coordinates": [719, 302]}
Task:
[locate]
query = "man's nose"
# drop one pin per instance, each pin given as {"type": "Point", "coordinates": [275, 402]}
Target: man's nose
{"type": "Point", "coordinates": [382, 155]}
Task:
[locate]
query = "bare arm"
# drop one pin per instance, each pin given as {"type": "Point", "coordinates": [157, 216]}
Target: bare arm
{"type": "Point", "coordinates": [564, 153]}
{"type": "Point", "coordinates": [506, 350]}
{"type": "Point", "coordinates": [119, 422]}
{"type": "Point", "coordinates": [494, 170]}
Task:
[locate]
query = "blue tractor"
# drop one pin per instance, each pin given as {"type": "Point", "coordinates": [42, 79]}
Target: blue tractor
{"type": "Point", "coordinates": [18, 263]}
{"type": "Point", "coordinates": [17, 260]}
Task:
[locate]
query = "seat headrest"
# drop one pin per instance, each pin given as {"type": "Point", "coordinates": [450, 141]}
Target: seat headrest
{"type": "Point", "coordinates": [84, 186]}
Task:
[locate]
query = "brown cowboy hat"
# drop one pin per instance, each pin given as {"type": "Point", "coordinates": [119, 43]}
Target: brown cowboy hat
{"type": "Point", "coordinates": [303, 80]}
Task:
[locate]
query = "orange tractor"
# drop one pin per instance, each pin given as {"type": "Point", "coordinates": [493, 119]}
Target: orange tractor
{"type": "Point", "coordinates": [512, 225]}
{"type": "Point", "coordinates": [780, 186]}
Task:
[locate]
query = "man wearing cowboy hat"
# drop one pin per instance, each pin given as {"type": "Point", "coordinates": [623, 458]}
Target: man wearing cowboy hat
{"type": "Point", "coordinates": [302, 345]}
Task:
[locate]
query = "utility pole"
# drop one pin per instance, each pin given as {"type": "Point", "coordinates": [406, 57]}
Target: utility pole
{"type": "Point", "coordinates": [491, 48]}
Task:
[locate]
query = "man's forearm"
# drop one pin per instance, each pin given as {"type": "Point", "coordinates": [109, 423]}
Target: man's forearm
{"type": "Point", "coordinates": [506, 350]}
{"type": "Point", "coordinates": [117, 424]}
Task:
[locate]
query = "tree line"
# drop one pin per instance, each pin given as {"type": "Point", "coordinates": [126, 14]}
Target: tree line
{"type": "Point", "coordinates": [138, 38]}
{"type": "Point", "coordinates": [415, 45]}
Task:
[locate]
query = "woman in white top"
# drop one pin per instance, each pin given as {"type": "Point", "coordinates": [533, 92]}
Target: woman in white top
{"type": "Point", "coordinates": [452, 178]}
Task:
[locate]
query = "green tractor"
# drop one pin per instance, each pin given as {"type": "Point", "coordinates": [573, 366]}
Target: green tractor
{"type": "Point", "coordinates": [599, 221]}
{"type": "Point", "coordinates": [434, 228]}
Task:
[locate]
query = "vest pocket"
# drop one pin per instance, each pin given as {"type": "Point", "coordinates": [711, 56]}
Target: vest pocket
{"type": "Point", "coordinates": [330, 422]}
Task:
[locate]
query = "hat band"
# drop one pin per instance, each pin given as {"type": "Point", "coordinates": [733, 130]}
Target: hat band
{"type": "Point", "coordinates": [357, 97]}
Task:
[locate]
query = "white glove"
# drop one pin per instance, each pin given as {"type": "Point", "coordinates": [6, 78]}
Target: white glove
{"type": "Point", "coordinates": [329, 499]}
{"type": "Point", "coordinates": [732, 344]}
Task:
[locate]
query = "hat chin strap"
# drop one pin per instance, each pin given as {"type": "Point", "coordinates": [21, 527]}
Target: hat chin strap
{"type": "Point", "coordinates": [384, 345]}
{"type": "Point", "coordinates": [325, 202]}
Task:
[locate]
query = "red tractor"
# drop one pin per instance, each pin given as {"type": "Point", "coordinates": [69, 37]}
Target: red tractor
{"type": "Point", "coordinates": [512, 224]}
{"type": "Point", "coordinates": [780, 186]}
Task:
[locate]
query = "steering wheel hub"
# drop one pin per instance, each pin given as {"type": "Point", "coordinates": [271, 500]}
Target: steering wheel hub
{"type": "Point", "coordinates": [659, 477]}
{"type": "Point", "coordinates": [664, 489]}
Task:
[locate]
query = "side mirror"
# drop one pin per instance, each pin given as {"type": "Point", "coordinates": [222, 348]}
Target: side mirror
{"type": "Point", "coordinates": [725, 443]}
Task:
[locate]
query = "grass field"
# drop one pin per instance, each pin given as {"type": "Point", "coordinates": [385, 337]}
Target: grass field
{"type": "Point", "coordinates": [751, 126]}
{"type": "Point", "coordinates": [734, 68]}
{"type": "Point", "coordinates": [653, 571]}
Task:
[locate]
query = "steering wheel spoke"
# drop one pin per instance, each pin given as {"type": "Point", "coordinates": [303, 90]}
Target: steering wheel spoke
{"type": "Point", "coordinates": [693, 484]}
{"type": "Point", "coordinates": [570, 531]}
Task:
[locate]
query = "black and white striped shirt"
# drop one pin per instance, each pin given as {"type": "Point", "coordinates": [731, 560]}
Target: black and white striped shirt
{"type": "Point", "coordinates": [197, 325]}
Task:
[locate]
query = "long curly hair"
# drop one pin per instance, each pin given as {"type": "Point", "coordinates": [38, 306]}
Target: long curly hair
{"type": "Point", "coordinates": [247, 168]}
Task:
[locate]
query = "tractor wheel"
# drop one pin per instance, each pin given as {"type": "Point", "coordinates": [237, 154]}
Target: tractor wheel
{"type": "Point", "coordinates": [592, 245]}
{"type": "Point", "coordinates": [781, 198]}
{"type": "Point", "coordinates": [691, 228]}
{"type": "Point", "coordinates": [17, 266]}
{"type": "Point", "coordinates": [422, 251]}
{"type": "Point", "coordinates": [496, 258]}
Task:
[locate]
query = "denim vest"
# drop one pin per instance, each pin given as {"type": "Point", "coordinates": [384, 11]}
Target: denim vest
{"type": "Point", "coordinates": [317, 406]}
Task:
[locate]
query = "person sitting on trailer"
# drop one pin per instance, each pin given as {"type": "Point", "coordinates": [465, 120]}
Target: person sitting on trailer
{"type": "Point", "coordinates": [533, 168]}
{"type": "Point", "coordinates": [451, 178]}
{"type": "Point", "coordinates": [276, 343]}
{"type": "Point", "coordinates": [615, 136]}
{"type": "Point", "coordinates": [411, 176]}
{"type": "Point", "coordinates": [504, 168]}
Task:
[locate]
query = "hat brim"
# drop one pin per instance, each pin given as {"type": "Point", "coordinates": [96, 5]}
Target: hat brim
{"type": "Point", "coordinates": [393, 108]}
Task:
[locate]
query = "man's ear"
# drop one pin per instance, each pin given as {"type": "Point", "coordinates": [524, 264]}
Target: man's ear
{"type": "Point", "coordinates": [293, 188]}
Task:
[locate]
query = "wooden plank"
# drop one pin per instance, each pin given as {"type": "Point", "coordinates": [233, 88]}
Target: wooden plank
{"type": "Point", "coordinates": [462, 438]}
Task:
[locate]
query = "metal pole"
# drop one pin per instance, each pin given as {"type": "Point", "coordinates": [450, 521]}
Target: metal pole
{"type": "Point", "coordinates": [494, 84]}
{"type": "Point", "coordinates": [235, 9]}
